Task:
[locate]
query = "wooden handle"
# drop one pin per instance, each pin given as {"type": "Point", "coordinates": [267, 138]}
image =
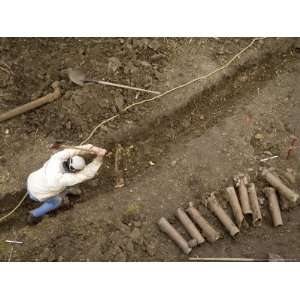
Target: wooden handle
{"type": "Point", "coordinates": [77, 148]}
{"type": "Point", "coordinates": [125, 87]}
{"type": "Point", "coordinates": [33, 104]}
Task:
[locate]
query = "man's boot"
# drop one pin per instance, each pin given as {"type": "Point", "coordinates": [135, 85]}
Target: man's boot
{"type": "Point", "coordinates": [74, 191]}
{"type": "Point", "coordinates": [32, 220]}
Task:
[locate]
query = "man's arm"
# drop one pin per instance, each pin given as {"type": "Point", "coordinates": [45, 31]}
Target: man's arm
{"type": "Point", "coordinates": [67, 153]}
{"type": "Point", "coordinates": [70, 179]}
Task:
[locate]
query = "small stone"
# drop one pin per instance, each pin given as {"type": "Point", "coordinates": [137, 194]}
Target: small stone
{"type": "Point", "coordinates": [144, 64]}
{"type": "Point", "coordinates": [69, 125]}
{"type": "Point", "coordinates": [137, 224]}
{"type": "Point", "coordinates": [173, 163]}
{"type": "Point", "coordinates": [259, 136]}
{"type": "Point", "coordinates": [128, 245]}
{"type": "Point", "coordinates": [151, 163]}
{"type": "Point", "coordinates": [201, 117]}
{"type": "Point", "coordinates": [6, 131]}
{"type": "Point", "coordinates": [119, 101]}
{"type": "Point", "coordinates": [261, 200]}
{"type": "Point", "coordinates": [157, 57]}
{"type": "Point", "coordinates": [114, 64]}
{"type": "Point", "coordinates": [151, 249]}
{"type": "Point", "coordinates": [121, 256]}
{"type": "Point", "coordinates": [93, 183]}
{"type": "Point", "coordinates": [268, 153]}
{"type": "Point", "coordinates": [154, 45]}
{"type": "Point", "coordinates": [130, 68]}
{"type": "Point", "coordinates": [274, 257]}
{"type": "Point", "coordinates": [243, 78]}
{"type": "Point", "coordinates": [186, 123]}
{"type": "Point", "coordinates": [135, 234]}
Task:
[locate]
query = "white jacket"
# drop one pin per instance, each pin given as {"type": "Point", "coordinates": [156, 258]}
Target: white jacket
{"type": "Point", "coordinates": [51, 179]}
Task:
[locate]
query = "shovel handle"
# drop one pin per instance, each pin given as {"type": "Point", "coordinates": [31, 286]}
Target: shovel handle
{"type": "Point", "coordinates": [121, 86]}
{"type": "Point", "coordinates": [32, 104]}
{"type": "Point", "coordinates": [62, 146]}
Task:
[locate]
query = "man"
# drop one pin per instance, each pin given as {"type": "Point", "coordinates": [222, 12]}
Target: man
{"type": "Point", "coordinates": [64, 169]}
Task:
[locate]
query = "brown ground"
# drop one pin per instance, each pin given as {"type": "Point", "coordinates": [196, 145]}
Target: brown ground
{"type": "Point", "coordinates": [197, 149]}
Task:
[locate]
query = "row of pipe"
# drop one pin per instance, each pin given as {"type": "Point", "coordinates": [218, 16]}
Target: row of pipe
{"type": "Point", "coordinates": [243, 203]}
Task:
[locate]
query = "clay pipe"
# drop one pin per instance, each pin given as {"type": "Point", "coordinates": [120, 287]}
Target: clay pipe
{"type": "Point", "coordinates": [273, 206]}
{"type": "Point", "coordinates": [207, 230]}
{"type": "Point", "coordinates": [189, 226]}
{"type": "Point", "coordinates": [280, 186]}
{"type": "Point", "coordinates": [241, 182]}
{"type": "Point", "coordinates": [256, 216]}
{"type": "Point", "coordinates": [33, 104]}
{"type": "Point", "coordinates": [166, 227]}
{"type": "Point", "coordinates": [215, 207]}
{"type": "Point", "coordinates": [235, 205]}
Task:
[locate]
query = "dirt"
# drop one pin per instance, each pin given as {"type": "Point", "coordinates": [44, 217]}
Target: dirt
{"type": "Point", "coordinates": [183, 155]}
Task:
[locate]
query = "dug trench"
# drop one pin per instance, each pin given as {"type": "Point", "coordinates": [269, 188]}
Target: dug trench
{"type": "Point", "coordinates": [176, 160]}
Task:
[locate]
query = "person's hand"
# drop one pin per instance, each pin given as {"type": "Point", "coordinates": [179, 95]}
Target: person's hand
{"type": "Point", "coordinates": [100, 151]}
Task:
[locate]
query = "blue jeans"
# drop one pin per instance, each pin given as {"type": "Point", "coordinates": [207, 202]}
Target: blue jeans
{"type": "Point", "coordinates": [48, 205]}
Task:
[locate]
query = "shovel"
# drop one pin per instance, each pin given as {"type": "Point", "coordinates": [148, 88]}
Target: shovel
{"type": "Point", "coordinates": [79, 78]}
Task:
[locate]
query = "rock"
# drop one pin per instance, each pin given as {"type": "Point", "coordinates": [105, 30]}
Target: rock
{"type": "Point", "coordinates": [202, 117]}
{"type": "Point", "coordinates": [243, 78]}
{"type": "Point", "coordinates": [173, 163]}
{"type": "Point", "coordinates": [114, 64]}
{"type": "Point", "coordinates": [268, 153]}
{"type": "Point", "coordinates": [274, 257]}
{"type": "Point", "coordinates": [157, 57]}
{"type": "Point", "coordinates": [2, 160]}
{"type": "Point", "coordinates": [151, 248]}
{"type": "Point", "coordinates": [154, 45]}
{"type": "Point", "coordinates": [130, 68]}
{"type": "Point", "coordinates": [144, 64]}
{"type": "Point", "coordinates": [129, 247]}
{"type": "Point", "coordinates": [93, 183]}
{"type": "Point", "coordinates": [120, 256]}
{"type": "Point", "coordinates": [69, 125]}
{"type": "Point", "coordinates": [137, 224]}
{"type": "Point", "coordinates": [119, 102]}
{"type": "Point", "coordinates": [186, 123]}
{"type": "Point", "coordinates": [135, 234]}
{"type": "Point", "coordinates": [259, 136]}
{"type": "Point", "coordinates": [261, 200]}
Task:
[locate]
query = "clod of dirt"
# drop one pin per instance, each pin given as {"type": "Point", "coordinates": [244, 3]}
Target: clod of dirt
{"type": "Point", "coordinates": [130, 68]}
{"type": "Point", "coordinates": [114, 64]}
{"type": "Point", "coordinates": [119, 102]}
{"type": "Point", "coordinates": [151, 249]}
{"type": "Point", "coordinates": [69, 125]}
{"type": "Point", "coordinates": [275, 257]}
{"type": "Point", "coordinates": [154, 45]}
{"type": "Point", "coordinates": [135, 235]}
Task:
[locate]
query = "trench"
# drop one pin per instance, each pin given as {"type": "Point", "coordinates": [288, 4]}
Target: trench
{"type": "Point", "coordinates": [203, 111]}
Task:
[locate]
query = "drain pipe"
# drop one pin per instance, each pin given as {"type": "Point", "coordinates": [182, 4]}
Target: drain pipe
{"type": "Point", "coordinates": [280, 186]}
{"type": "Point", "coordinates": [207, 230]}
{"type": "Point", "coordinates": [273, 206]}
{"type": "Point", "coordinates": [220, 213]}
{"type": "Point", "coordinates": [189, 226]}
{"type": "Point", "coordinates": [256, 216]}
{"type": "Point", "coordinates": [166, 227]}
{"type": "Point", "coordinates": [235, 205]}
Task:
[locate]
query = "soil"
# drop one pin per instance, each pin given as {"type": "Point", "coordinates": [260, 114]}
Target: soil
{"type": "Point", "coordinates": [172, 156]}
